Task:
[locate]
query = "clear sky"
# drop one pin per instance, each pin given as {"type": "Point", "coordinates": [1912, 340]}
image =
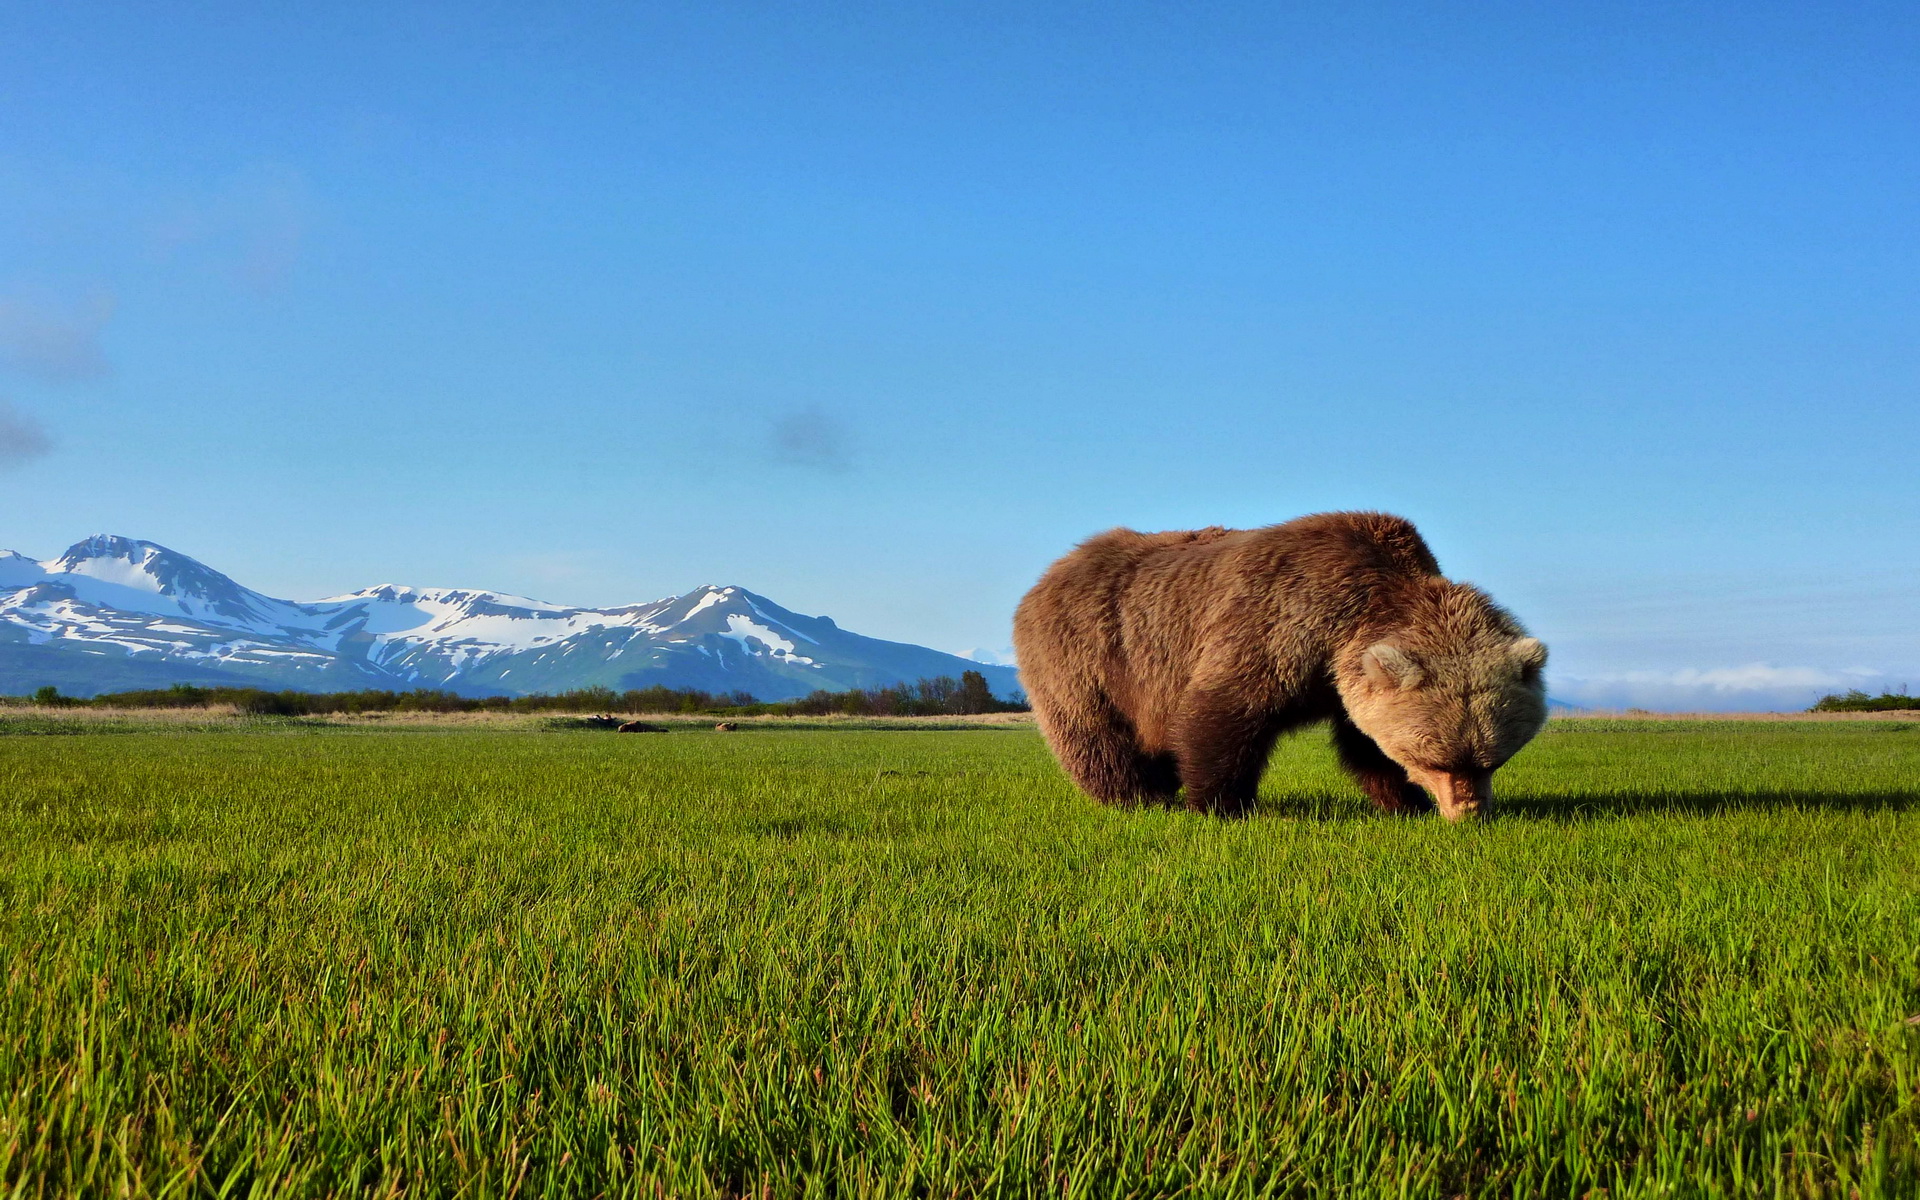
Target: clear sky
{"type": "Point", "coordinates": [877, 309]}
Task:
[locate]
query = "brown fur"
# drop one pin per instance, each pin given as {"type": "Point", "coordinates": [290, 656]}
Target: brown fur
{"type": "Point", "coordinates": [1157, 661]}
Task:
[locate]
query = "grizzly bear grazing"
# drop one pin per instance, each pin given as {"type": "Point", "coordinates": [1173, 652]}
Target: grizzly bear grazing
{"type": "Point", "coordinates": [1161, 660]}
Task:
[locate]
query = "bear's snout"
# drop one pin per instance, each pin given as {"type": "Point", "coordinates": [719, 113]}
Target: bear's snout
{"type": "Point", "coordinates": [1459, 795]}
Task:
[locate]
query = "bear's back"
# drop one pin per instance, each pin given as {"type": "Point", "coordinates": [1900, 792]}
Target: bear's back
{"type": "Point", "coordinates": [1222, 584]}
{"type": "Point", "coordinates": [1082, 593]}
{"type": "Point", "coordinates": [1135, 611]}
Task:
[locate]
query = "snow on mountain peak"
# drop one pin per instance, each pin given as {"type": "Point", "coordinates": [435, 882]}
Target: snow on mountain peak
{"type": "Point", "coordinates": [130, 575]}
{"type": "Point", "coordinates": [144, 566]}
{"type": "Point", "coordinates": [120, 560]}
{"type": "Point", "coordinates": [17, 570]}
{"type": "Point", "coordinates": [399, 593]}
{"type": "Point", "coordinates": [713, 596]}
{"type": "Point", "coordinates": [110, 545]}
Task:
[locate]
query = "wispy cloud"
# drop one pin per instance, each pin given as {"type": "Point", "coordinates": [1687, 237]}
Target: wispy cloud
{"type": "Point", "coordinates": [1752, 687]}
{"type": "Point", "coordinates": [811, 438]}
{"type": "Point", "coordinates": [270, 207]}
{"type": "Point", "coordinates": [21, 437]}
{"type": "Point", "coordinates": [54, 342]}
{"type": "Point", "coordinates": [252, 226]}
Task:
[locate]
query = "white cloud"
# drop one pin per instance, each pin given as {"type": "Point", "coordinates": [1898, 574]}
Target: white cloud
{"type": "Point", "coordinates": [1002, 657]}
{"type": "Point", "coordinates": [1754, 687]}
{"type": "Point", "coordinates": [252, 226]}
{"type": "Point", "coordinates": [1752, 677]}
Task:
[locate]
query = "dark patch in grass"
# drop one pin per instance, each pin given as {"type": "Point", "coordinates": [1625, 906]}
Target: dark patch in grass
{"type": "Point", "coordinates": [1309, 808]}
{"type": "Point", "coordinates": [1602, 806]}
{"type": "Point", "coordinates": [790, 829]}
{"type": "Point", "coordinates": [575, 725]}
{"type": "Point", "coordinates": [1640, 725]}
{"type": "Point", "coordinates": [1703, 803]}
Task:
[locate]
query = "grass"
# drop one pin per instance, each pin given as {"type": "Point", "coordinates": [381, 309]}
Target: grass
{"type": "Point", "coordinates": [490, 962]}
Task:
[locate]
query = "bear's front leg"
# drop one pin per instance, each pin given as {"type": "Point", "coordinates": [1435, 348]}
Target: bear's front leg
{"type": "Point", "coordinates": [1221, 743]}
{"type": "Point", "coordinates": [1384, 781]}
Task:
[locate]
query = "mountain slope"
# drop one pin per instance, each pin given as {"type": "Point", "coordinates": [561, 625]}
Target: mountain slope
{"type": "Point", "coordinates": [113, 613]}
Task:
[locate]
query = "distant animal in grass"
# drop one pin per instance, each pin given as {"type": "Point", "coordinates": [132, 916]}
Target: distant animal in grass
{"type": "Point", "coordinates": [1162, 661]}
{"type": "Point", "coordinates": [642, 727]}
{"type": "Point", "coordinates": [601, 721]}
{"type": "Point", "coordinates": [726, 727]}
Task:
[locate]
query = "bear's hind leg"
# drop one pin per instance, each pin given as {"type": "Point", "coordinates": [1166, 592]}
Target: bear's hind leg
{"type": "Point", "coordinates": [1383, 780]}
{"type": "Point", "coordinates": [1103, 756]}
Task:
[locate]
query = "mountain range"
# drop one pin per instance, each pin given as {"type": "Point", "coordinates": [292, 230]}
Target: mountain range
{"type": "Point", "coordinates": [115, 614]}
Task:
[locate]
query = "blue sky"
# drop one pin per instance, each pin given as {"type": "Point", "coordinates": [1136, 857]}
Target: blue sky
{"type": "Point", "coordinates": [877, 309]}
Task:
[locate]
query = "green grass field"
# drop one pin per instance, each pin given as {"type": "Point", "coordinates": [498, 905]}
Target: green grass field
{"type": "Point", "coordinates": [312, 961]}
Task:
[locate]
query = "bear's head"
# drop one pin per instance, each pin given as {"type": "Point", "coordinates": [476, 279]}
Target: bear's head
{"type": "Point", "coordinates": [1450, 691]}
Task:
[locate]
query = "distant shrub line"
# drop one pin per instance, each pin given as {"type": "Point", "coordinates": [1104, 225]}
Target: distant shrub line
{"type": "Point", "coordinates": [1856, 700]}
{"type": "Point", "coordinates": [944, 696]}
{"type": "Point", "coordinates": [941, 696]}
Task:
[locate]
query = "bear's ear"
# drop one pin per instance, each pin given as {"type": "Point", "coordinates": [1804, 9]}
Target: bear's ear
{"type": "Point", "coordinates": [1529, 654]}
{"type": "Point", "coordinates": [1388, 665]}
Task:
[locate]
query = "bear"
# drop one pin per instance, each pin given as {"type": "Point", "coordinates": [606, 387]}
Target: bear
{"type": "Point", "coordinates": [1157, 662]}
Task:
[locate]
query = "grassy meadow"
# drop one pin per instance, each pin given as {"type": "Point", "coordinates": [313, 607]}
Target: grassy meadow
{"type": "Point", "coordinates": [300, 958]}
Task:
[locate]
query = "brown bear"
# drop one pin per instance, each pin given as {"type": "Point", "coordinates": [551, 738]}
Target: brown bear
{"type": "Point", "coordinates": [1161, 660]}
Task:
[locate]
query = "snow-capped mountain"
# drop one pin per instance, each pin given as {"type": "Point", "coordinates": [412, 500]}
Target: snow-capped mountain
{"type": "Point", "coordinates": [114, 613]}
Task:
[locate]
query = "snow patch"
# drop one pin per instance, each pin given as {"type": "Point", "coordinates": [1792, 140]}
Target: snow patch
{"type": "Point", "coordinates": [743, 629]}
{"type": "Point", "coordinates": [707, 601]}
{"type": "Point", "coordinates": [118, 571]}
{"type": "Point", "coordinates": [761, 613]}
{"type": "Point", "coordinates": [17, 570]}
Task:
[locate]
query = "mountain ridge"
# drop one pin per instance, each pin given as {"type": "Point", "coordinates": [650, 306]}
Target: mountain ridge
{"type": "Point", "coordinates": [114, 612]}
